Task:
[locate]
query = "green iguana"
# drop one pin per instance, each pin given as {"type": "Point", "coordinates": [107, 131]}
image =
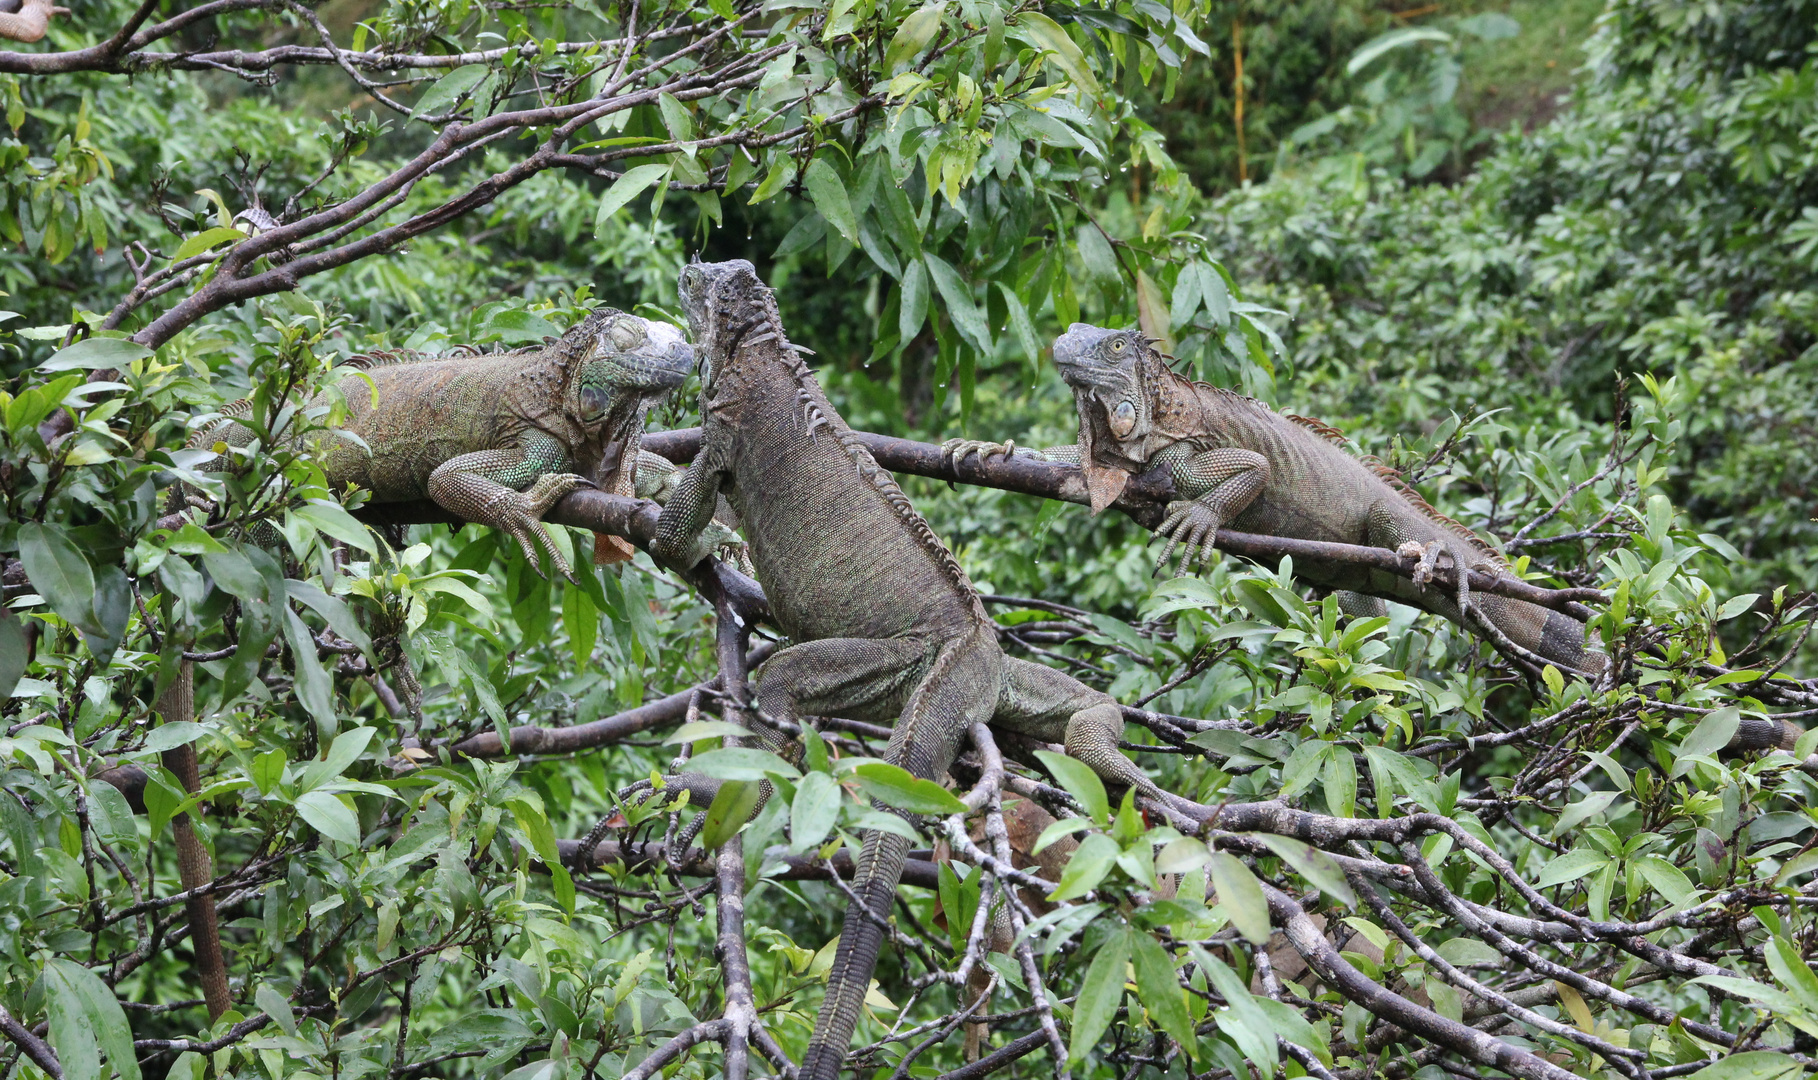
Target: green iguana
{"type": "Point", "coordinates": [884, 624]}
{"type": "Point", "coordinates": [1236, 462]}
{"type": "Point", "coordinates": [498, 439]}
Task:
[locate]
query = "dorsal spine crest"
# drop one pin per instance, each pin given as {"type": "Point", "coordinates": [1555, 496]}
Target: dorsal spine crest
{"type": "Point", "coordinates": [813, 398]}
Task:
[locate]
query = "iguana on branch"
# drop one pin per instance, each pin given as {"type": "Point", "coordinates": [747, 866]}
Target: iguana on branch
{"type": "Point", "coordinates": [499, 438]}
{"type": "Point", "coordinates": [1236, 462]}
{"type": "Point", "coordinates": [883, 623]}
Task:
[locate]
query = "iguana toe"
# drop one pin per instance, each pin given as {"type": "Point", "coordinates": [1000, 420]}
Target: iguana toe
{"type": "Point", "coordinates": [957, 450]}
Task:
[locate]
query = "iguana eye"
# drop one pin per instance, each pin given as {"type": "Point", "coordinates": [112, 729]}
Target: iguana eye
{"type": "Point", "coordinates": [624, 335]}
{"type": "Point", "coordinates": [593, 402]}
{"type": "Point", "coordinates": [1123, 419]}
{"type": "Point", "coordinates": [691, 277]}
{"type": "Point", "coordinates": [1117, 345]}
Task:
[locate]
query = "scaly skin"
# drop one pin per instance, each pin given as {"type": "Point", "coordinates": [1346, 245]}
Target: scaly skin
{"type": "Point", "coordinates": [883, 622]}
{"type": "Point", "coordinates": [499, 439]}
{"type": "Point", "coordinates": [1235, 462]}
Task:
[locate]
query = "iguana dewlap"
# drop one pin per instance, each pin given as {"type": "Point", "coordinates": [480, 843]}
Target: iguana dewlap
{"type": "Point", "coordinates": [499, 438]}
{"type": "Point", "coordinates": [884, 625]}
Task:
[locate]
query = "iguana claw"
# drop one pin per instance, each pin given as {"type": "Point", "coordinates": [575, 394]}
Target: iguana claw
{"type": "Point", "coordinates": [525, 520]}
{"type": "Point", "coordinates": [956, 450]}
{"type": "Point", "coordinates": [1194, 527]}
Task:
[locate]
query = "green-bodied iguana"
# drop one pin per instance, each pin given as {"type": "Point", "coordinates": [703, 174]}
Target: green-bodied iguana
{"type": "Point", "coordinates": [499, 438]}
{"type": "Point", "coordinates": [883, 623]}
{"type": "Point", "coordinates": [1237, 463]}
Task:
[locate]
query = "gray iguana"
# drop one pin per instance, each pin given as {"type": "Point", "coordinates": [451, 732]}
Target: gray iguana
{"type": "Point", "coordinates": [883, 623]}
{"type": "Point", "coordinates": [498, 439]}
{"type": "Point", "coordinates": [1236, 462]}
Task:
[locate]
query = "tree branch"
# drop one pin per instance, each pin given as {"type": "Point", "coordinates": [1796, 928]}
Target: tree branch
{"type": "Point", "coordinates": [1144, 500]}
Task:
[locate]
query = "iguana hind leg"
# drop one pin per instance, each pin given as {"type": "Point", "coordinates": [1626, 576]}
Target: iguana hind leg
{"type": "Point", "coordinates": [1051, 705]}
{"type": "Point", "coordinates": [958, 686]}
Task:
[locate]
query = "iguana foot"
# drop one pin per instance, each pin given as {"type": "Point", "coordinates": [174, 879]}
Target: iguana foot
{"type": "Point", "coordinates": [956, 450]}
{"type": "Point", "coordinates": [1192, 526]}
{"type": "Point", "coordinates": [525, 520]}
{"type": "Point", "coordinates": [723, 544]}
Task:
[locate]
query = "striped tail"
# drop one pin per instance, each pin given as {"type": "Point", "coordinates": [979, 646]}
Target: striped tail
{"type": "Point", "coordinates": [880, 865]}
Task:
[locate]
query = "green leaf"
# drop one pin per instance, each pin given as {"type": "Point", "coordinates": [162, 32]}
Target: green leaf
{"type": "Point", "coordinates": [741, 763]}
{"type": "Point", "coordinates": [676, 118]}
{"type": "Point", "coordinates": [1241, 896]}
{"type": "Point", "coordinates": [1046, 34]}
{"type": "Point", "coordinates": [1091, 861]}
{"type": "Point", "coordinates": [1736, 605]}
{"type": "Point", "coordinates": [1394, 39]}
{"type": "Point", "coordinates": [732, 807]}
{"type": "Point", "coordinates": [59, 572]}
{"type": "Point", "coordinates": [894, 786]}
{"type": "Point", "coordinates": [204, 240]}
{"type": "Point", "coordinates": [828, 193]}
{"type": "Point", "coordinates": [815, 811]}
{"type": "Point", "coordinates": [1079, 781]}
{"type": "Point", "coordinates": [1340, 778]}
{"type": "Point", "coordinates": [1099, 994]}
{"type": "Point", "coordinates": [1095, 251]}
{"type": "Point", "coordinates": [966, 315]}
{"type": "Point", "coordinates": [1313, 864]}
{"type": "Point", "coordinates": [623, 190]}
{"type": "Point", "coordinates": [448, 89]}
{"type": "Point", "coordinates": [1668, 880]}
{"type": "Point", "coordinates": [1570, 866]}
{"type": "Point", "coordinates": [706, 729]}
{"type": "Point", "coordinates": [328, 815]}
{"type": "Point", "coordinates": [1794, 973]}
{"type": "Point", "coordinates": [86, 1021]}
{"type": "Point", "coordinates": [276, 1006]}
{"type": "Point", "coordinates": [314, 689]}
{"type": "Point", "coordinates": [162, 800]}
{"type": "Point", "coordinates": [1160, 992]}
{"type": "Point", "coordinates": [1751, 1065]}
{"type": "Point", "coordinates": [268, 770]}
{"type": "Point", "coordinates": [95, 353]}
{"type": "Point", "coordinates": [13, 653]}
{"type": "Point", "coordinates": [913, 309]}
{"type": "Point", "coordinates": [912, 36]}
{"type": "Point", "coordinates": [333, 519]}
{"type": "Point", "coordinates": [1712, 734]}
{"type": "Point", "coordinates": [172, 734]}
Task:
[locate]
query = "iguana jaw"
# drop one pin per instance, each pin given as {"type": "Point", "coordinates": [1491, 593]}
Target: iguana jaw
{"type": "Point", "coordinates": [1100, 366]}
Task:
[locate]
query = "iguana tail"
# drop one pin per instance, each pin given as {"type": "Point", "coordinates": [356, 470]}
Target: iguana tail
{"type": "Point", "coordinates": [1553, 636]}
{"type": "Point", "coordinates": [960, 687]}
{"type": "Point", "coordinates": [880, 865]}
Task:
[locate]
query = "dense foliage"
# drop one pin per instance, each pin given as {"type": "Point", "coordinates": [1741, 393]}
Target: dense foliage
{"type": "Point", "coordinates": [1595, 344]}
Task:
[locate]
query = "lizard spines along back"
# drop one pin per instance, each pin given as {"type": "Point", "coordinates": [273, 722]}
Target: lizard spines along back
{"type": "Point", "coordinates": [814, 417]}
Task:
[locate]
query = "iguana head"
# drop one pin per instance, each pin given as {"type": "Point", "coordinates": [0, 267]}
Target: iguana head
{"type": "Point", "coordinates": [620, 367]}
{"type": "Point", "coordinates": [631, 358]}
{"type": "Point", "coordinates": [1108, 371]}
{"type": "Point", "coordinates": [720, 301]}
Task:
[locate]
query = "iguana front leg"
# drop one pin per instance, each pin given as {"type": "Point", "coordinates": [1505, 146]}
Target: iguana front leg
{"type": "Point", "coordinates": [1215, 486]}
{"type": "Point", "coordinates": [510, 488]}
{"type": "Point", "coordinates": [683, 538]}
{"type": "Point", "coordinates": [658, 479]}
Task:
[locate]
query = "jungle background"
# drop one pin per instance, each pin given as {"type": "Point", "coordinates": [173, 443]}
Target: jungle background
{"type": "Point", "coordinates": [1499, 245]}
